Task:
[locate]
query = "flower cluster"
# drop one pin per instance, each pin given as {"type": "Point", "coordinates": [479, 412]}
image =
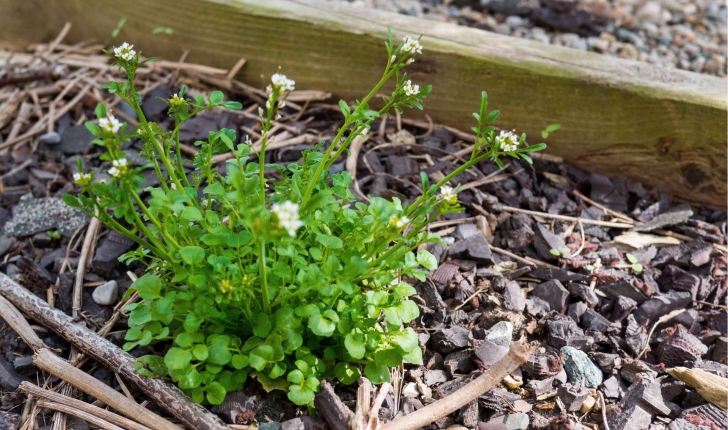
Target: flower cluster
{"type": "Point", "coordinates": [81, 178]}
{"type": "Point", "coordinates": [410, 89]}
{"type": "Point", "coordinates": [176, 101]}
{"type": "Point", "coordinates": [110, 124]}
{"type": "Point", "coordinates": [448, 194]}
{"type": "Point", "coordinates": [412, 46]}
{"type": "Point", "coordinates": [508, 141]}
{"type": "Point", "coordinates": [398, 222]}
{"type": "Point", "coordinates": [119, 168]}
{"type": "Point", "coordinates": [282, 82]}
{"type": "Point", "coordinates": [125, 52]}
{"type": "Point", "coordinates": [287, 214]}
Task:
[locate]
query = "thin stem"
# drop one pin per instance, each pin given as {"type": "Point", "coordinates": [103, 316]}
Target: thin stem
{"type": "Point", "coordinates": [347, 123]}
{"type": "Point", "coordinates": [263, 275]}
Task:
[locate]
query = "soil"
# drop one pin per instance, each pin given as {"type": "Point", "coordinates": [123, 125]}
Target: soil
{"type": "Point", "coordinates": [513, 268]}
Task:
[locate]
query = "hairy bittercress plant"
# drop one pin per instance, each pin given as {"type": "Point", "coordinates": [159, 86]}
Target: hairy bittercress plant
{"type": "Point", "coordinates": [288, 281]}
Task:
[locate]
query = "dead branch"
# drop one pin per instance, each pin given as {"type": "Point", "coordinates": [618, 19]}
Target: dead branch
{"type": "Point", "coordinates": [517, 355]}
{"type": "Point", "coordinates": [164, 393]}
{"type": "Point", "coordinates": [79, 413]}
{"type": "Point", "coordinates": [52, 396]}
{"type": "Point", "coordinates": [328, 404]}
{"type": "Point", "coordinates": [55, 365]}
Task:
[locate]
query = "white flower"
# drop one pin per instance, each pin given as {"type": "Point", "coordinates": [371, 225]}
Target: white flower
{"type": "Point", "coordinates": [282, 82]}
{"type": "Point", "coordinates": [260, 111]}
{"type": "Point", "coordinates": [412, 46]}
{"type": "Point", "coordinates": [125, 52]}
{"type": "Point", "coordinates": [508, 141]}
{"type": "Point", "coordinates": [110, 124]}
{"type": "Point", "coordinates": [82, 178]}
{"type": "Point", "coordinates": [119, 168]}
{"type": "Point", "coordinates": [394, 57]}
{"type": "Point", "coordinates": [410, 61]}
{"type": "Point", "coordinates": [448, 194]}
{"type": "Point", "coordinates": [287, 214]}
{"type": "Point", "coordinates": [398, 222]}
{"type": "Point", "coordinates": [410, 89]}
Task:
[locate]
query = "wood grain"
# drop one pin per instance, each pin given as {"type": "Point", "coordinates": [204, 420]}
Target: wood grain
{"type": "Point", "coordinates": [664, 127]}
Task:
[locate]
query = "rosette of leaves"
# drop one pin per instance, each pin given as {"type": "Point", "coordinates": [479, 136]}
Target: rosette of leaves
{"type": "Point", "coordinates": [230, 294]}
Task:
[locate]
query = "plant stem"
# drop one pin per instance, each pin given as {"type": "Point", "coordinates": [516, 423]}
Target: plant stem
{"type": "Point", "coordinates": [263, 275]}
{"type": "Point", "coordinates": [347, 123]}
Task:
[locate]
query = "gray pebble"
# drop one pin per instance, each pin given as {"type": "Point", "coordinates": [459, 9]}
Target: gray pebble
{"type": "Point", "coordinates": [51, 138]}
{"type": "Point", "coordinates": [31, 216]}
{"type": "Point", "coordinates": [106, 294]}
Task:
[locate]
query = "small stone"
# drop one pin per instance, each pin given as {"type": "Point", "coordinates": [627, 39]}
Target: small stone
{"type": "Point", "coordinates": [517, 421]}
{"type": "Point", "coordinates": [576, 310]}
{"type": "Point", "coordinates": [542, 365]}
{"type": "Point", "coordinates": [585, 293]}
{"type": "Point", "coordinates": [491, 426]}
{"type": "Point", "coordinates": [31, 216]}
{"type": "Point", "coordinates": [606, 362]}
{"type": "Point", "coordinates": [434, 377]}
{"type": "Point", "coordinates": [677, 215]}
{"type": "Point", "coordinates": [513, 296]}
{"type": "Point", "coordinates": [302, 423]}
{"type": "Point", "coordinates": [553, 293]}
{"type": "Point", "coordinates": [410, 390]}
{"type": "Point", "coordinates": [52, 138]}
{"type": "Point", "coordinates": [475, 248]}
{"type": "Point", "coordinates": [662, 304]}
{"type": "Point", "coordinates": [271, 425]}
{"type": "Point", "coordinates": [593, 320]}
{"type": "Point", "coordinates": [579, 367]}
{"type": "Point", "coordinates": [76, 140]}
{"type": "Point", "coordinates": [450, 339]}
{"type": "Point", "coordinates": [650, 11]}
{"type": "Point", "coordinates": [573, 395]}
{"type": "Point", "coordinates": [681, 347]}
{"type": "Point", "coordinates": [106, 294]}
{"type": "Point", "coordinates": [587, 405]}
{"type": "Point", "coordinates": [460, 361]}
{"type": "Point", "coordinates": [500, 334]}
{"type": "Point", "coordinates": [610, 388]}
{"type": "Point", "coordinates": [489, 353]}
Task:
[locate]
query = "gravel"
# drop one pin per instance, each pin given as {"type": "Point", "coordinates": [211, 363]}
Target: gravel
{"type": "Point", "coordinates": [683, 34]}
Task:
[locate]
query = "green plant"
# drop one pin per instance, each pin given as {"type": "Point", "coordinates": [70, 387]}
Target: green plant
{"type": "Point", "coordinates": [289, 281]}
{"type": "Point", "coordinates": [633, 263]}
{"type": "Point", "coordinates": [559, 252]}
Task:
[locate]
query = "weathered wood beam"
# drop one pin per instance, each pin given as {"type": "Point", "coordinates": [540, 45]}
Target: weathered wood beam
{"type": "Point", "coordinates": [664, 127]}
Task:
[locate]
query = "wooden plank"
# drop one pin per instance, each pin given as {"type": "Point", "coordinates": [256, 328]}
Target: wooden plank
{"type": "Point", "coordinates": [664, 127]}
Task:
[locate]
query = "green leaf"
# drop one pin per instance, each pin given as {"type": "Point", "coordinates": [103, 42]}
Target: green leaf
{"type": "Point", "coordinates": [355, 348]}
{"type": "Point", "coordinates": [426, 260]}
{"type": "Point", "coordinates": [262, 327]}
{"type": "Point", "coordinates": [331, 242]}
{"type": "Point", "coordinates": [193, 322]}
{"type": "Point", "coordinates": [184, 339]}
{"type": "Point", "coordinates": [388, 357]}
{"type": "Point", "coordinates": [321, 326]}
{"type": "Point", "coordinates": [534, 148]}
{"type": "Point", "coordinates": [216, 97]}
{"type": "Point", "coordinates": [190, 213]}
{"type": "Point", "coordinates": [151, 366]}
{"type": "Point", "coordinates": [192, 255]}
{"type": "Point", "coordinates": [344, 109]}
{"type": "Point", "coordinates": [300, 395]}
{"type": "Point", "coordinates": [191, 379]}
{"type": "Point", "coordinates": [239, 361]}
{"type": "Point", "coordinates": [376, 373]}
{"type": "Point", "coordinates": [148, 287]}
{"type": "Point", "coordinates": [637, 267]}
{"type": "Point", "coordinates": [215, 392]}
{"type": "Point", "coordinates": [140, 315]}
{"type": "Point", "coordinates": [346, 373]}
{"type": "Point", "coordinates": [554, 252]}
{"type": "Point", "coordinates": [233, 105]}
{"type": "Point", "coordinates": [553, 127]}
{"type": "Point", "coordinates": [219, 352]}
{"type": "Point", "coordinates": [200, 352]}
{"type": "Point", "coordinates": [631, 258]}
{"type": "Point", "coordinates": [177, 358]}
{"type": "Point", "coordinates": [408, 310]}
